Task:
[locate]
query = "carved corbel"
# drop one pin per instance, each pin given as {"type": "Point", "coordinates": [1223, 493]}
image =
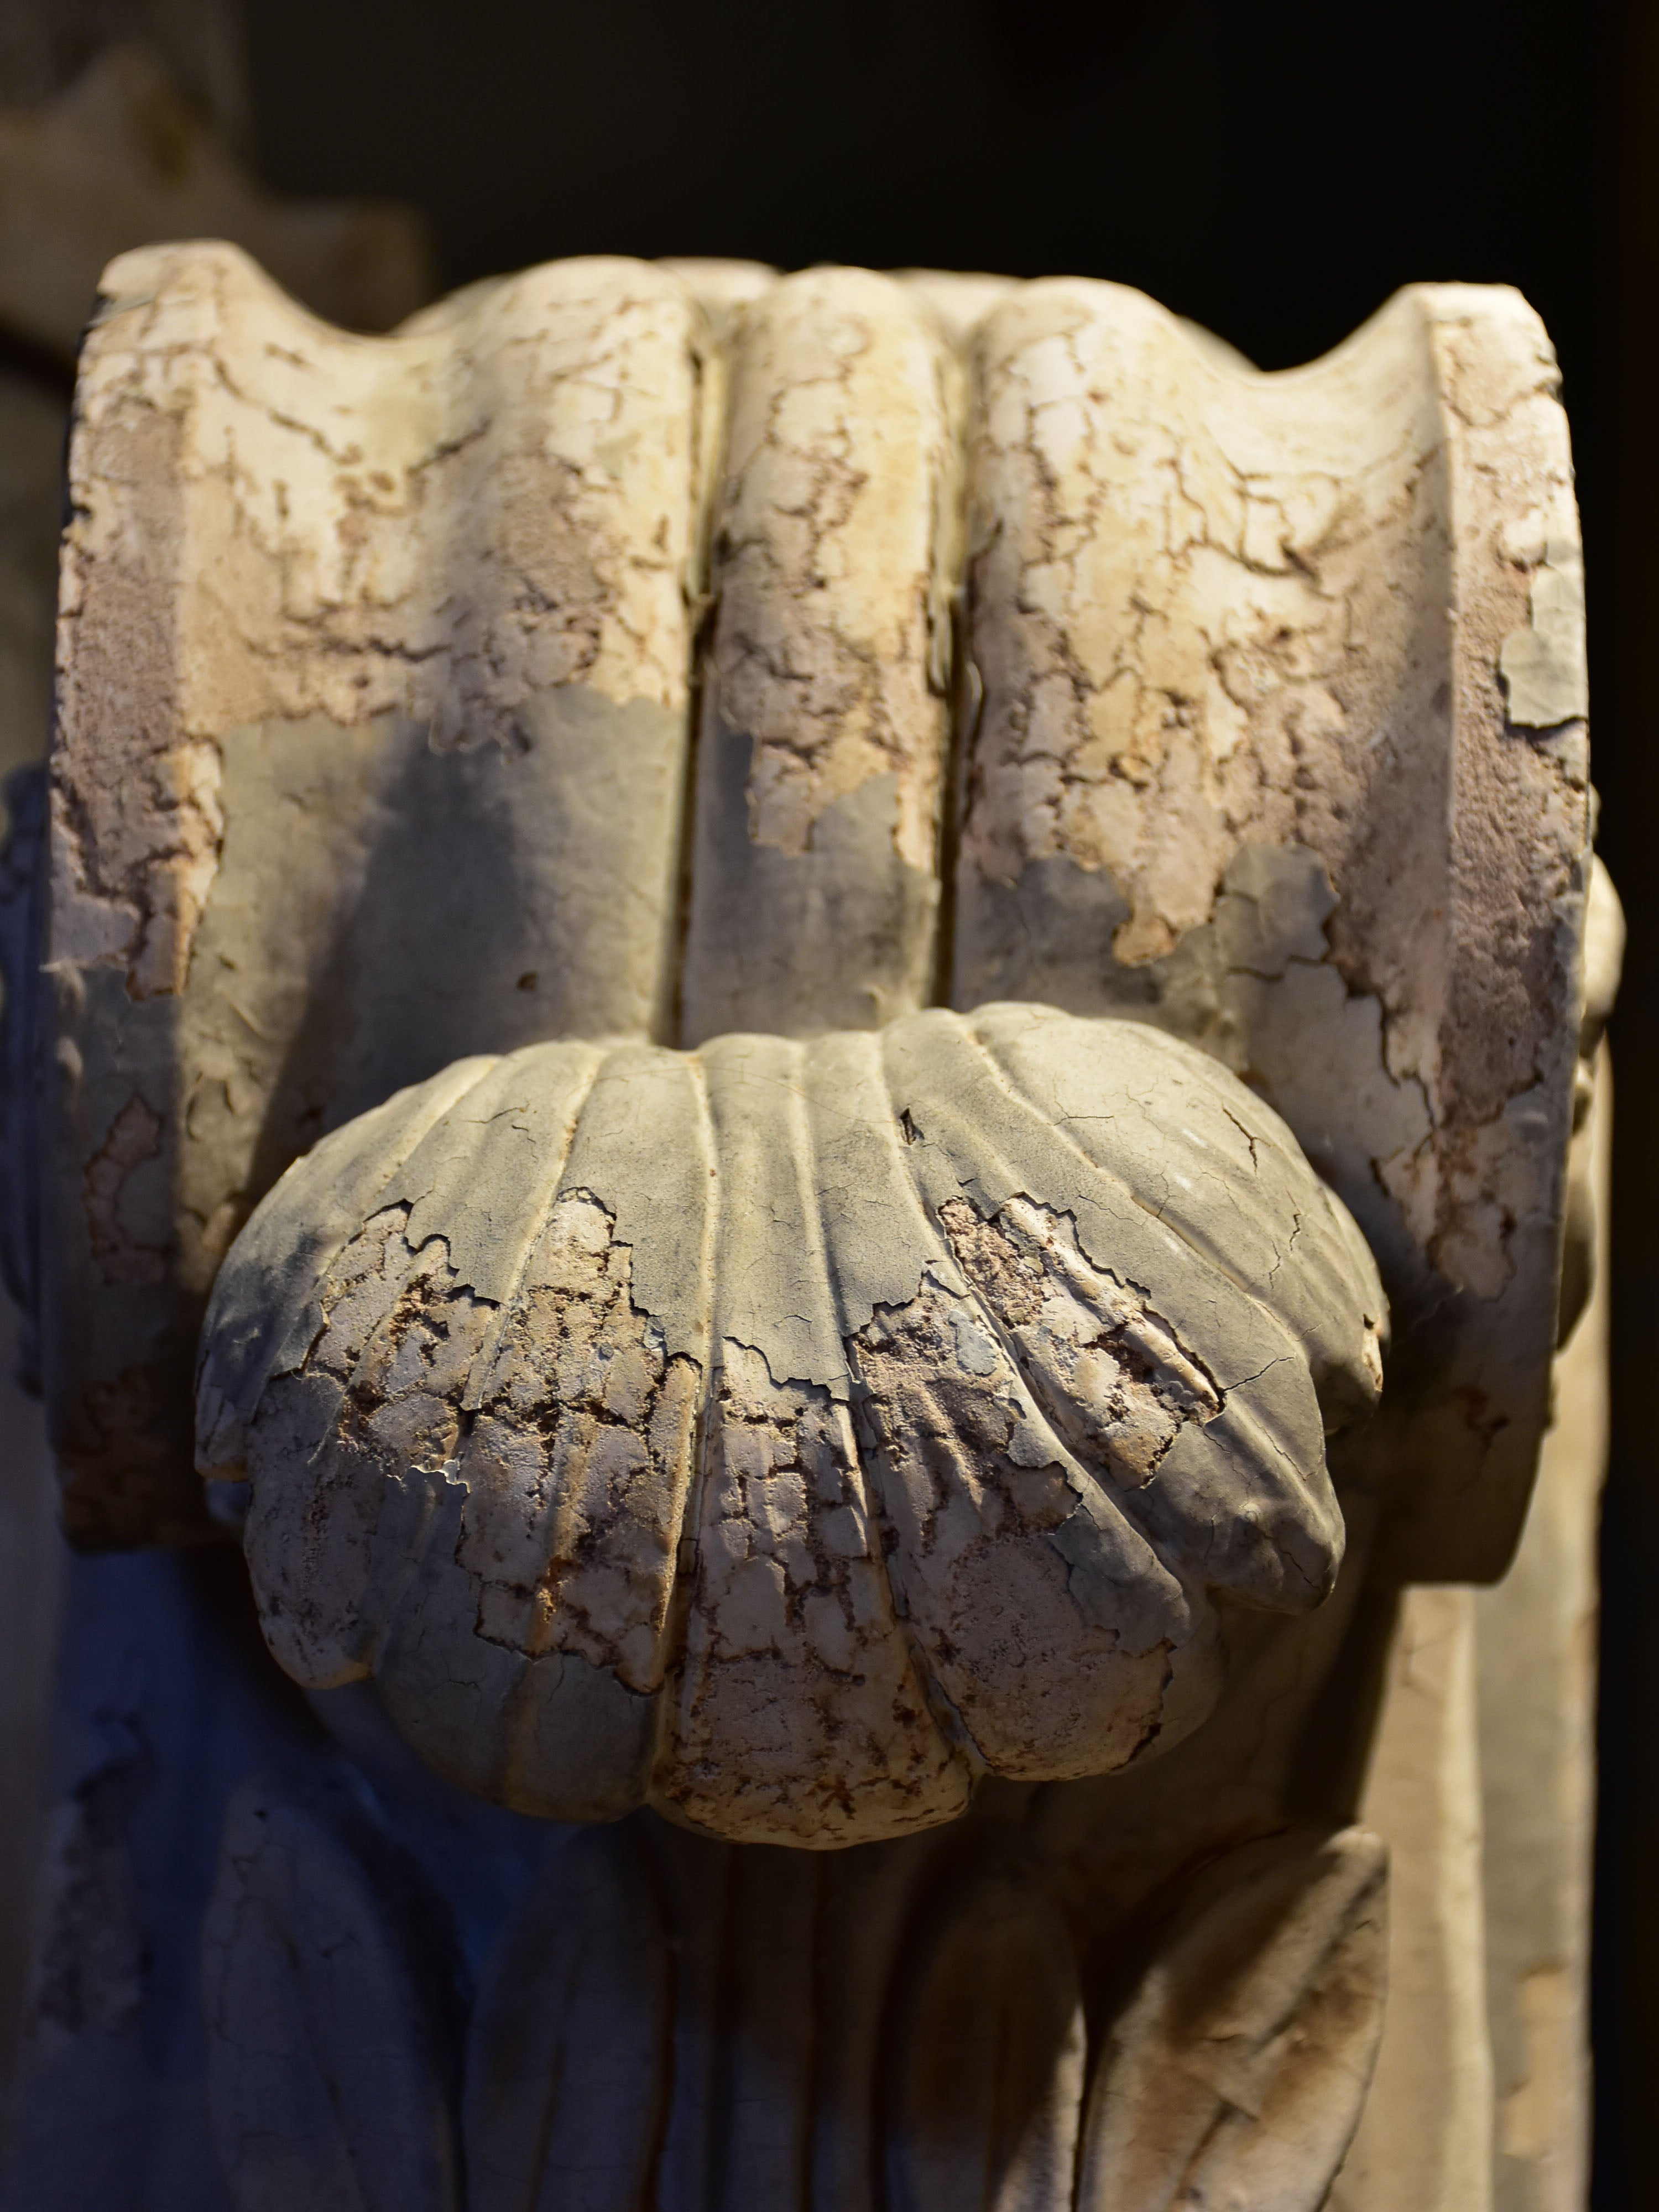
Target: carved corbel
{"type": "Point", "coordinates": [798, 970]}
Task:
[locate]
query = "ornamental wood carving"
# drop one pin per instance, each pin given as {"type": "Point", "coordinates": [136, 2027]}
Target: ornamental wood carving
{"type": "Point", "coordinates": [1268, 696]}
{"type": "Point", "coordinates": [822, 1034]}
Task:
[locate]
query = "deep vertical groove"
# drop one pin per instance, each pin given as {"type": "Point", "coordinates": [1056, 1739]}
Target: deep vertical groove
{"type": "Point", "coordinates": [713, 388]}
{"type": "Point", "coordinates": [867, 1470]}
{"type": "Point", "coordinates": [682, 1579]}
{"type": "Point", "coordinates": [966, 694]}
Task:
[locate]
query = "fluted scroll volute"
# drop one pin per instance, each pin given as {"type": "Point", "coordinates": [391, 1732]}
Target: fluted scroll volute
{"type": "Point", "coordinates": [785, 1434]}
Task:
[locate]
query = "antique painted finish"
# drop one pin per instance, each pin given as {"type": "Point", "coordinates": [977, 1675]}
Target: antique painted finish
{"type": "Point", "coordinates": [1270, 715]}
{"type": "Point", "coordinates": [631, 705]}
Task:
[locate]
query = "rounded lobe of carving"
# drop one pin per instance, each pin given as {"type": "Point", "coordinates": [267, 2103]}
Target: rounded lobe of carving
{"type": "Point", "coordinates": [784, 1433]}
{"type": "Point", "coordinates": [1236, 764]}
{"type": "Point", "coordinates": [824, 725]}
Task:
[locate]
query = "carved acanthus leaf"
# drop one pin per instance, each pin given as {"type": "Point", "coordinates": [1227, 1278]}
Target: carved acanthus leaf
{"type": "Point", "coordinates": [327, 2072]}
{"type": "Point", "coordinates": [1235, 2074]}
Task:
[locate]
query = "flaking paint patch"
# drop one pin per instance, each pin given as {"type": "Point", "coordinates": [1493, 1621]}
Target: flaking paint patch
{"type": "Point", "coordinates": [1545, 675]}
{"type": "Point", "coordinates": [1187, 587]}
{"type": "Point", "coordinates": [1214, 613]}
{"type": "Point", "coordinates": [1208, 613]}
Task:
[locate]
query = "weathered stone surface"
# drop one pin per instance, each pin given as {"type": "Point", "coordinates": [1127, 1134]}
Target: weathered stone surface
{"type": "Point", "coordinates": [568, 2069]}
{"type": "Point", "coordinates": [1536, 1689]}
{"type": "Point", "coordinates": [1236, 2073]}
{"type": "Point", "coordinates": [327, 2072]}
{"type": "Point", "coordinates": [1426, 2140]}
{"type": "Point", "coordinates": [788, 1434]}
{"type": "Point", "coordinates": [801, 1435]}
{"type": "Point", "coordinates": [667, 2022]}
{"type": "Point", "coordinates": [1482, 1776]}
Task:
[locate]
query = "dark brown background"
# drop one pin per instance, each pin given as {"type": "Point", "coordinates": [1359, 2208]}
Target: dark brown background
{"type": "Point", "coordinates": [1274, 171]}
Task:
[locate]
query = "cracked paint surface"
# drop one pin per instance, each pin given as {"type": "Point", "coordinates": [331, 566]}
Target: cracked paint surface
{"type": "Point", "coordinates": [832, 523]}
{"type": "Point", "coordinates": [1186, 585]}
{"type": "Point", "coordinates": [824, 725]}
{"type": "Point", "coordinates": [863, 1415]}
{"type": "Point", "coordinates": [392, 667]}
{"type": "Point", "coordinates": [1242, 638]}
{"type": "Point", "coordinates": [411, 623]}
{"type": "Point", "coordinates": [444, 524]}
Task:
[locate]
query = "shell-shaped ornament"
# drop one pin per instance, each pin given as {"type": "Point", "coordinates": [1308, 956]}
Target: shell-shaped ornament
{"type": "Point", "coordinates": [786, 1434]}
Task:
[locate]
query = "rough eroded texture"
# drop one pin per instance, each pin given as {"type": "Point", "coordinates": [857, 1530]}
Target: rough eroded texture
{"type": "Point", "coordinates": [1236, 2074]}
{"type": "Point", "coordinates": [446, 526]}
{"type": "Point", "coordinates": [788, 1433]}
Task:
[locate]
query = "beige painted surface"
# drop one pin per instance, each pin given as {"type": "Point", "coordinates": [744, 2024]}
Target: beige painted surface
{"type": "Point", "coordinates": [1201, 690]}
{"type": "Point", "coordinates": [773, 1401]}
{"type": "Point", "coordinates": [824, 722]}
